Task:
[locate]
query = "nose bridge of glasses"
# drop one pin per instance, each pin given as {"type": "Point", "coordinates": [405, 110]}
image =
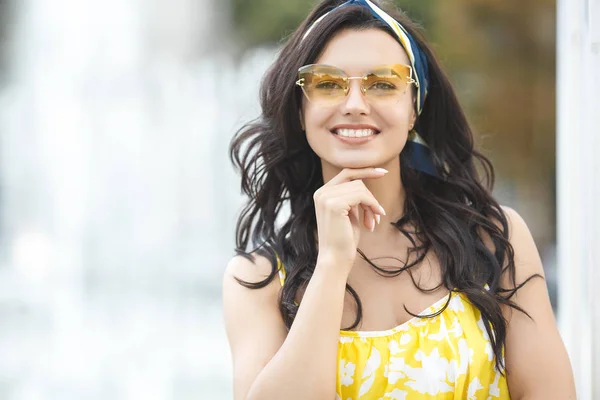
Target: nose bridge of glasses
{"type": "Point", "coordinates": [356, 94]}
{"type": "Point", "coordinates": [360, 84]}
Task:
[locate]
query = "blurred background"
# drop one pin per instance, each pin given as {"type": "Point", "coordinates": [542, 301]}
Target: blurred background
{"type": "Point", "coordinates": [117, 198]}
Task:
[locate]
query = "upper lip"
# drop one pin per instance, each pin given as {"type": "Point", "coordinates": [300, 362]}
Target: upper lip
{"type": "Point", "coordinates": [354, 126]}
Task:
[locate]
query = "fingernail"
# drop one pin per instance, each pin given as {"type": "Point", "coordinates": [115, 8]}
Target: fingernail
{"type": "Point", "coordinates": [385, 171]}
{"type": "Point", "coordinates": [378, 217]}
{"type": "Point", "coordinates": [382, 210]}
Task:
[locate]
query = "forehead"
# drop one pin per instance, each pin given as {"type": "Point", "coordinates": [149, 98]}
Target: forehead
{"type": "Point", "coordinates": [357, 51]}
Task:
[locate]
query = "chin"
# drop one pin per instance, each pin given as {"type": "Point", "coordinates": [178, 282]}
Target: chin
{"type": "Point", "coordinates": [357, 162]}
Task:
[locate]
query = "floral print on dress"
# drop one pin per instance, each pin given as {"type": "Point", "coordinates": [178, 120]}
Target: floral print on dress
{"type": "Point", "coordinates": [346, 372]}
{"type": "Point", "coordinates": [448, 356]}
{"type": "Point", "coordinates": [369, 372]}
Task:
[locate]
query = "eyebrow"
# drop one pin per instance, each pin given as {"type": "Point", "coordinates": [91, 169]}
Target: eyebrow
{"type": "Point", "coordinates": [366, 71]}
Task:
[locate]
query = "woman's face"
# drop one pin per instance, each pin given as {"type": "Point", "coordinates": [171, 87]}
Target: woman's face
{"type": "Point", "coordinates": [357, 52]}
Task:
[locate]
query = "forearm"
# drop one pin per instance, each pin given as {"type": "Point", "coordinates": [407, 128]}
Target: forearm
{"type": "Point", "coordinates": [305, 365]}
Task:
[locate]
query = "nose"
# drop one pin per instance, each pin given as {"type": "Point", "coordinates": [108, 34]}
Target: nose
{"type": "Point", "coordinates": [355, 102]}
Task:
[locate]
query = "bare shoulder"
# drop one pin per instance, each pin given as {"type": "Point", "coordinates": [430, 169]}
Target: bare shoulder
{"type": "Point", "coordinates": [253, 324]}
{"type": "Point", "coordinates": [527, 258]}
{"type": "Point", "coordinates": [255, 270]}
{"type": "Point", "coordinates": [239, 299]}
{"type": "Point", "coordinates": [518, 228]}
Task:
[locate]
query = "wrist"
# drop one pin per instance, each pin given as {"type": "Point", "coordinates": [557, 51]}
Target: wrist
{"type": "Point", "coordinates": [328, 264]}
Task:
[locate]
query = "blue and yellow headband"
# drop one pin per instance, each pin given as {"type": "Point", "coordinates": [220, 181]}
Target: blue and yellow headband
{"type": "Point", "coordinates": [417, 59]}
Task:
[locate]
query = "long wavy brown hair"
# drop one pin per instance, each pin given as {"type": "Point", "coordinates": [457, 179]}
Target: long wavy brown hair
{"type": "Point", "coordinates": [280, 173]}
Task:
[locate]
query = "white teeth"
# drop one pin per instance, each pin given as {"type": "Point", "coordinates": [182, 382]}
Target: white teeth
{"type": "Point", "coordinates": [355, 132]}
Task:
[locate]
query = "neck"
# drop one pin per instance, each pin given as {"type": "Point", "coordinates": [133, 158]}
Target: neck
{"type": "Point", "coordinates": [388, 190]}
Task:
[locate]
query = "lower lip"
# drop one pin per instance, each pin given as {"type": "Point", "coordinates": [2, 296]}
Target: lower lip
{"type": "Point", "coordinates": [355, 140]}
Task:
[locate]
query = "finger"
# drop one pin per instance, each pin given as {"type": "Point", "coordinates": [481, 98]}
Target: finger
{"type": "Point", "coordinates": [354, 215]}
{"type": "Point", "coordinates": [369, 219]}
{"type": "Point", "coordinates": [343, 188]}
{"type": "Point", "coordinates": [355, 198]}
{"type": "Point", "coordinates": [354, 187]}
{"type": "Point", "coordinates": [351, 174]}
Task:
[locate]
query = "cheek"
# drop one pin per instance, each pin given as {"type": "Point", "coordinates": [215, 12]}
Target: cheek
{"type": "Point", "coordinates": [316, 117]}
{"type": "Point", "coordinates": [397, 118]}
{"type": "Point", "coordinates": [316, 121]}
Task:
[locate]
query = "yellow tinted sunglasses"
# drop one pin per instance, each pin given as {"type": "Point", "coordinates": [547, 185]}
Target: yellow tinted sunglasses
{"type": "Point", "coordinates": [327, 85]}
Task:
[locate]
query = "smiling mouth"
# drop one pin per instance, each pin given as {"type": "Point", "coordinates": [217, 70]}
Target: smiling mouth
{"type": "Point", "coordinates": [355, 133]}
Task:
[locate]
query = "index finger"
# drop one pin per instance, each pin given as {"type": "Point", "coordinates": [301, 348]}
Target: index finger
{"type": "Point", "coordinates": [352, 174]}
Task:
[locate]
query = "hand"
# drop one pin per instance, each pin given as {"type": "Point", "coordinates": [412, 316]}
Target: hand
{"type": "Point", "coordinates": [336, 207]}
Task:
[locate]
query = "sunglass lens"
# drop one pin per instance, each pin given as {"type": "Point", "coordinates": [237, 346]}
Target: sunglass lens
{"type": "Point", "coordinates": [323, 85]}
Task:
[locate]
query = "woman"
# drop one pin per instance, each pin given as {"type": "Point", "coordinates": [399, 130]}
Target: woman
{"type": "Point", "coordinates": [447, 299]}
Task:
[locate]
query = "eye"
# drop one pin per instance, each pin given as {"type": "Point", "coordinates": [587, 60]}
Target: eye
{"type": "Point", "coordinates": [382, 85]}
{"type": "Point", "coordinates": [328, 85]}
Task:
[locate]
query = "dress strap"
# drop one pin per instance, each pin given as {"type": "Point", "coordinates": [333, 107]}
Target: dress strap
{"type": "Point", "coordinates": [282, 274]}
{"type": "Point", "coordinates": [281, 269]}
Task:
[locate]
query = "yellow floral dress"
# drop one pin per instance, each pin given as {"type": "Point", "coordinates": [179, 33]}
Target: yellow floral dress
{"type": "Point", "coordinates": [445, 357]}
